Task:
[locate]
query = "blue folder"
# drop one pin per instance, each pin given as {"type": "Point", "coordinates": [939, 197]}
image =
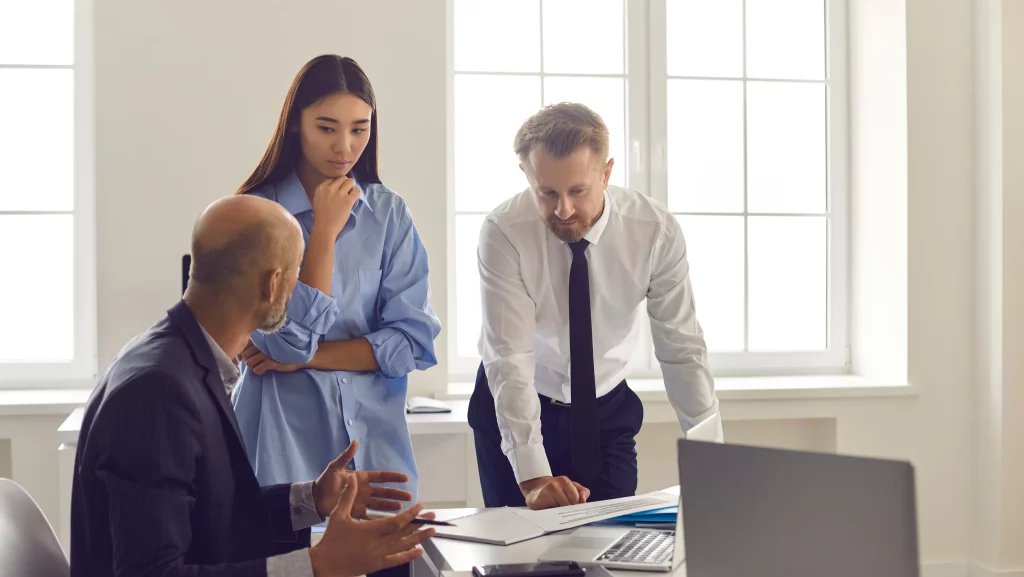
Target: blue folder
{"type": "Point", "coordinates": [663, 515]}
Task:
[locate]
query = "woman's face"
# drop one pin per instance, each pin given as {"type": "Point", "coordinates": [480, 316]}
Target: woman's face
{"type": "Point", "coordinates": [334, 132]}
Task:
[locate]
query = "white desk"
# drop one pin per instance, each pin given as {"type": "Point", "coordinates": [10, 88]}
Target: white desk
{"type": "Point", "coordinates": [452, 558]}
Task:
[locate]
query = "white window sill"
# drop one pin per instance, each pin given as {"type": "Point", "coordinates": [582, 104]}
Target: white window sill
{"type": "Point", "coordinates": [759, 388]}
{"type": "Point", "coordinates": [40, 401]}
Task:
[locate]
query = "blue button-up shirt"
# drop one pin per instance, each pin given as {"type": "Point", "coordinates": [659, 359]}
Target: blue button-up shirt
{"type": "Point", "coordinates": [294, 424]}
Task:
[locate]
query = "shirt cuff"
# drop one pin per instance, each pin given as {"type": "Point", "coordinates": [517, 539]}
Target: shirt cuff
{"type": "Point", "coordinates": [392, 352]}
{"type": "Point", "coordinates": [302, 506]}
{"type": "Point", "coordinates": [312, 309]}
{"type": "Point", "coordinates": [294, 564]}
{"type": "Point", "coordinates": [529, 462]}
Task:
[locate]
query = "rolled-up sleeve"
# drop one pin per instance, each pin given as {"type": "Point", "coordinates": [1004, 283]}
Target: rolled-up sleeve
{"type": "Point", "coordinates": [310, 314]}
{"type": "Point", "coordinates": [507, 350]}
{"type": "Point", "coordinates": [408, 326]}
{"type": "Point", "coordinates": [678, 338]}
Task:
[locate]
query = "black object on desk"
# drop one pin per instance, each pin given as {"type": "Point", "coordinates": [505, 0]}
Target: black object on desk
{"type": "Point", "coordinates": [547, 569]}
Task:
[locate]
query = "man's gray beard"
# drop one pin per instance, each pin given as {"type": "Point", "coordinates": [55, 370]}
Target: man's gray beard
{"type": "Point", "coordinates": [275, 321]}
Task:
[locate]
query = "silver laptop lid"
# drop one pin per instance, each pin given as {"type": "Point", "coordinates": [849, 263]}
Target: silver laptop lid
{"type": "Point", "coordinates": [773, 512]}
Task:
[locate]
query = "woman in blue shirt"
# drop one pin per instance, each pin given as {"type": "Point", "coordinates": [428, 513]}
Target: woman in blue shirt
{"type": "Point", "coordinates": [359, 319]}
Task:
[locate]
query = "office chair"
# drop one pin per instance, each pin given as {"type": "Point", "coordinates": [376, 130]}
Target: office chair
{"type": "Point", "coordinates": [28, 545]}
{"type": "Point", "coordinates": [186, 263]}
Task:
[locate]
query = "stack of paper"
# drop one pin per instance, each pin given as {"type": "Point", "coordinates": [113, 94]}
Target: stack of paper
{"type": "Point", "coordinates": [504, 526]}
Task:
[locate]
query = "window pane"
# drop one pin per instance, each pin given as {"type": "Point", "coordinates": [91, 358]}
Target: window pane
{"type": "Point", "coordinates": [36, 139]}
{"type": "Point", "coordinates": [786, 147]}
{"type": "Point", "coordinates": [705, 38]}
{"type": "Point", "coordinates": [584, 36]}
{"type": "Point", "coordinates": [36, 297]}
{"type": "Point", "coordinates": [705, 145]}
{"type": "Point", "coordinates": [786, 39]}
{"type": "Point", "coordinates": [37, 32]}
{"type": "Point", "coordinates": [787, 267]}
{"type": "Point", "coordinates": [605, 96]}
{"type": "Point", "coordinates": [467, 283]}
{"type": "Point", "coordinates": [714, 249]}
{"type": "Point", "coordinates": [497, 36]}
{"type": "Point", "coordinates": [488, 112]}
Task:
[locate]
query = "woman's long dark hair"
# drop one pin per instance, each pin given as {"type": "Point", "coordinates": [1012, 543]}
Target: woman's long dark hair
{"type": "Point", "coordinates": [320, 77]}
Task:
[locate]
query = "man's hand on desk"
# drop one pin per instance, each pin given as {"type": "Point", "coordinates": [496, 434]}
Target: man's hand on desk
{"type": "Point", "coordinates": [351, 547]}
{"type": "Point", "coordinates": [548, 492]}
{"type": "Point", "coordinates": [328, 488]}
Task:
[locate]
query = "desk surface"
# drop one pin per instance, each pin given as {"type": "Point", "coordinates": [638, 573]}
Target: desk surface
{"type": "Point", "coordinates": [452, 558]}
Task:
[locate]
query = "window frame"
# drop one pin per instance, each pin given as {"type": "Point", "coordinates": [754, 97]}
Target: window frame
{"type": "Point", "coordinates": [81, 370]}
{"type": "Point", "coordinates": [646, 164]}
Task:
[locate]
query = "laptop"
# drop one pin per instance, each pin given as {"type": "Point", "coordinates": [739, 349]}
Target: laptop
{"type": "Point", "coordinates": [632, 549]}
{"type": "Point", "coordinates": [774, 513]}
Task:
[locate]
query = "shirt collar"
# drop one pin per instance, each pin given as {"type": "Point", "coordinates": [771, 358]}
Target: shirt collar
{"type": "Point", "coordinates": [229, 372]}
{"type": "Point", "coordinates": [292, 196]}
{"type": "Point", "coordinates": [594, 234]}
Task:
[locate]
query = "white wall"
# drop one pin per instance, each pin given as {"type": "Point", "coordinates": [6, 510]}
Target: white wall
{"type": "Point", "coordinates": [187, 97]}
{"type": "Point", "coordinates": [999, 484]}
{"type": "Point", "coordinates": [187, 94]}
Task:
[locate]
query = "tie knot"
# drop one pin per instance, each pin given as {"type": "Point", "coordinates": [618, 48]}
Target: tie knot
{"type": "Point", "coordinates": [579, 246]}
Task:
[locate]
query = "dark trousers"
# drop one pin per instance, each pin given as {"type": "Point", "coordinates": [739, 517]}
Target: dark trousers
{"type": "Point", "coordinates": [620, 416]}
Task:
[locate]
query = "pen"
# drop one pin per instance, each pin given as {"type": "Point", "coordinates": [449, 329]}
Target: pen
{"type": "Point", "coordinates": [415, 521]}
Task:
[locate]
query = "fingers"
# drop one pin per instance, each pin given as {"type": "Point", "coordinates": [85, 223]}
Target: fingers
{"type": "Point", "coordinates": [397, 523]}
{"type": "Point", "coordinates": [583, 492]}
{"type": "Point", "coordinates": [250, 350]}
{"type": "Point", "coordinates": [345, 502]}
{"type": "Point", "coordinates": [347, 185]}
{"type": "Point", "coordinates": [560, 498]}
{"type": "Point", "coordinates": [347, 455]}
{"type": "Point", "coordinates": [414, 527]}
{"type": "Point", "coordinates": [387, 477]}
{"type": "Point", "coordinates": [390, 493]}
{"type": "Point", "coordinates": [259, 363]}
{"type": "Point", "coordinates": [337, 184]}
{"type": "Point", "coordinates": [404, 518]}
{"type": "Point", "coordinates": [569, 490]}
{"type": "Point", "coordinates": [402, 558]}
{"type": "Point", "coordinates": [410, 541]}
{"type": "Point", "coordinates": [383, 505]}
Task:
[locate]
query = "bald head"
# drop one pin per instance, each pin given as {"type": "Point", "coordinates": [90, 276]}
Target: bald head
{"type": "Point", "coordinates": [239, 243]}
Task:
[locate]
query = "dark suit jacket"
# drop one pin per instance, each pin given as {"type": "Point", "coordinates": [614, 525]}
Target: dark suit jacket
{"type": "Point", "coordinates": [162, 485]}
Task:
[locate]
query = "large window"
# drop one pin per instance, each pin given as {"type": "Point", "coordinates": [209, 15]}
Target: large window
{"type": "Point", "coordinates": [46, 242]}
{"type": "Point", "coordinates": [730, 112]}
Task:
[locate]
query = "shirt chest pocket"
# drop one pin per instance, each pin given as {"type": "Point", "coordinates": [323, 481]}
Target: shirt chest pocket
{"type": "Point", "coordinates": [369, 293]}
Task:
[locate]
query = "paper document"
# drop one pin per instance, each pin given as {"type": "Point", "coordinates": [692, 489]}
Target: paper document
{"type": "Point", "coordinates": [506, 525]}
{"type": "Point", "coordinates": [561, 518]}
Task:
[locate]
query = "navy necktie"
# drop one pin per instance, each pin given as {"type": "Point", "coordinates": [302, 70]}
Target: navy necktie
{"type": "Point", "coordinates": [586, 439]}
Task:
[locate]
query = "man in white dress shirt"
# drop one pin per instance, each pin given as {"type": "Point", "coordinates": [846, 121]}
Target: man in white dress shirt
{"type": "Point", "coordinates": [564, 269]}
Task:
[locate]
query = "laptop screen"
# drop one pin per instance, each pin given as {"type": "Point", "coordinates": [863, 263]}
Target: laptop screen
{"type": "Point", "coordinates": [773, 512]}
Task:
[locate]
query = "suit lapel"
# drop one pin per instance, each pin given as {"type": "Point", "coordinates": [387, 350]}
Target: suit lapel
{"type": "Point", "coordinates": [183, 318]}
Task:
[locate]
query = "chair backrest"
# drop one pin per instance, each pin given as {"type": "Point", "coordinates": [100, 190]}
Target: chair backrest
{"type": "Point", "coordinates": [28, 545]}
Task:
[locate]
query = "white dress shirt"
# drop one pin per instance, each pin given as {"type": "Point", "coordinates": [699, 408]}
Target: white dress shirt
{"type": "Point", "coordinates": [636, 253]}
{"type": "Point", "coordinates": [300, 496]}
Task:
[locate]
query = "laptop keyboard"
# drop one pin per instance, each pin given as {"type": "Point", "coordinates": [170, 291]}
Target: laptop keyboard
{"type": "Point", "coordinates": [642, 547]}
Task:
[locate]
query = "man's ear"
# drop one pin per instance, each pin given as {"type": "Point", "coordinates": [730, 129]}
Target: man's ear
{"type": "Point", "coordinates": [608, 171]}
{"type": "Point", "coordinates": [271, 285]}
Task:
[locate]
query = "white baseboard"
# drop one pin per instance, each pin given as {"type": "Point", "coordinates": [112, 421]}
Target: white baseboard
{"type": "Point", "coordinates": [965, 569]}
